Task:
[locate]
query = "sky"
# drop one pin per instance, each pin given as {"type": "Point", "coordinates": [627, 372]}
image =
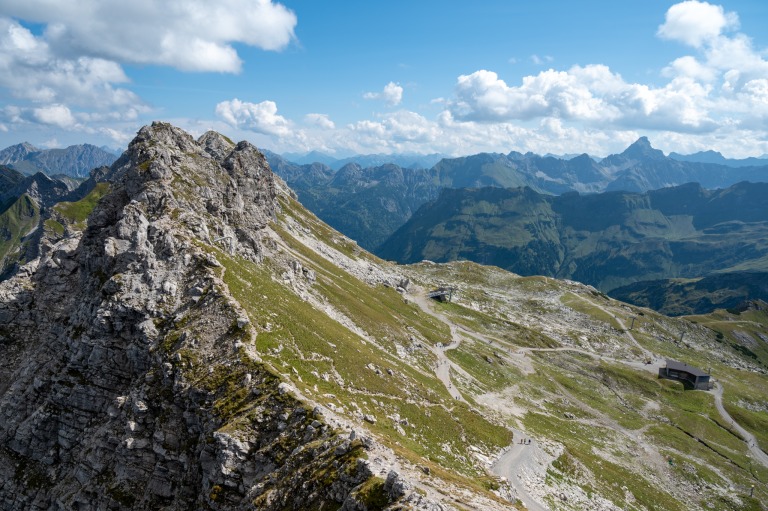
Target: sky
{"type": "Point", "coordinates": [349, 77]}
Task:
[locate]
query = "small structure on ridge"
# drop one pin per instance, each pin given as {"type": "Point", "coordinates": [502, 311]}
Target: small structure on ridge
{"type": "Point", "coordinates": [691, 377]}
{"type": "Point", "coordinates": [442, 294]}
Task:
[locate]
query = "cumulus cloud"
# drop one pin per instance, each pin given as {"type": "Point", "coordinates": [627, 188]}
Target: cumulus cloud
{"type": "Point", "coordinates": [259, 117]}
{"type": "Point", "coordinates": [540, 61]}
{"type": "Point", "coordinates": [594, 95]}
{"type": "Point", "coordinates": [121, 138]}
{"type": "Point", "coordinates": [720, 87]}
{"type": "Point", "coordinates": [695, 23]}
{"type": "Point", "coordinates": [30, 71]}
{"type": "Point", "coordinates": [398, 127]}
{"type": "Point", "coordinates": [391, 95]}
{"type": "Point", "coordinates": [54, 115]}
{"type": "Point", "coordinates": [319, 120]}
{"type": "Point", "coordinates": [52, 143]}
{"type": "Point", "coordinates": [191, 35]}
{"type": "Point", "coordinates": [483, 96]}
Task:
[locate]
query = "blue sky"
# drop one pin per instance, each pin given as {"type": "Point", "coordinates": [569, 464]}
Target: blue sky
{"type": "Point", "coordinates": [368, 77]}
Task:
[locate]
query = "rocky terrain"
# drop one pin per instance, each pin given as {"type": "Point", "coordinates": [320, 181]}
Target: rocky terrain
{"type": "Point", "coordinates": [113, 412]}
{"type": "Point", "coordinates": [189, 336]}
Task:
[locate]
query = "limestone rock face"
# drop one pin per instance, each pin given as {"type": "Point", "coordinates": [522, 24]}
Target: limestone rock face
{"type": "Point", "coordinates": [124, 378]}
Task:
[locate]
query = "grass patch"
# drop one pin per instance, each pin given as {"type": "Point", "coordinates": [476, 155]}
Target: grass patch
{"type": "Point", "coordinates": [76, 213]}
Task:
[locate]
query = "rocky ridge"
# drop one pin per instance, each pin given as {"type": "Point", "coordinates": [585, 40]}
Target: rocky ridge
{"type": "Point", "coordinates": [125, 358]}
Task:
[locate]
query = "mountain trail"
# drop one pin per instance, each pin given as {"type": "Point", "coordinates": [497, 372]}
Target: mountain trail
{"type": "Point", "coordinates": [618, 320]}
{"type": "Point", "coordinates": [519, 465]}
{"type": "Point", "coordinates": [754, 448]}
{"type": "Point", "coordinates": [444, 365]}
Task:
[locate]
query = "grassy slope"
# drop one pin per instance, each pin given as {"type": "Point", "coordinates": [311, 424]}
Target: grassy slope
{"type": "Point", "coordinates": [618, 409]}
{"type": "Point", "coordinates": [333, 365]}
{"type": "Point", "coordinates": [16, 222]}
{"type": "Point", "coordinates": [383, 368]}
{"type": "Point", "coordinates": [76, 213]}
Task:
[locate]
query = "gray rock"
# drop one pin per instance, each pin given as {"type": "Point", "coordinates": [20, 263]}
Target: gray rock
{"type": "Point", "coordinates": [109, 388]}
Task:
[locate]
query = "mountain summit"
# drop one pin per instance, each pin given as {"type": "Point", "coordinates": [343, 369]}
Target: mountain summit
{"type": "Point", "coordinates": [641, 149]}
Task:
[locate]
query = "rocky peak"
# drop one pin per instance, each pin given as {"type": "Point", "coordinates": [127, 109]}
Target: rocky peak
{"type": "Point", "coordinates": [216, 144]}
{"type": "Point", "coordinates": [44, 190]}
{"type": "Point", "coordinates": [642, 148]}
{"type": "Point", "coordinates": [16, 153]}
{"type": "Point", "coordinates": [124, 353]}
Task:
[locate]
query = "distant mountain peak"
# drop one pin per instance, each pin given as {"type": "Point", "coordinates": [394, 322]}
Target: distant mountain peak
{"type": "Point", "coordinates": [18, 152]}
{"type": "Point", "coordinates": [642, 148]}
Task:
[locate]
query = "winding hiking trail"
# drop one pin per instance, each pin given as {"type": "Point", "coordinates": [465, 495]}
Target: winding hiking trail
{"type": "Point", "coordinates": [516, 455]}
{"type": "Point", "coordinates": [444, 365]}
{"type": "Point", "coordinates": [749, 438]}
{"type": "Point", "coordinates": [618, 320]}
{"type": "Point", "coordinates": [519, 459]}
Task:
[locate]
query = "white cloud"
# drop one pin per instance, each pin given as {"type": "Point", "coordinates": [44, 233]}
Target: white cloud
{"type": "Point", "coordinates": [50, 144]}
{"type": "Point", "coordinates": [696, 23]}
{"type": "Point", "coordinates": [259, 117]}
{"type": "Point", "coordinates": [121, 138]}
{"type": "Point", "coordinates": [720, 86]}
{"type": "Point", "coordinates": [54, 115]}
{"type": "Point", "coordinates": [483, 96]}
{"type": "Point", "coordinates": [319, 120]}
{"type": "Point", "coordinates": [540, 61]}
{"type": "Point", "coordinates": [402, 127]}
{"type": "Point", "coordinates": [191, 35]}
{"type": "Point", "coordinates": [29, 71]}
{"type": "Point", "coordinates": [689, 67]}
{"type": "Point", "coordinates": [392, 94]}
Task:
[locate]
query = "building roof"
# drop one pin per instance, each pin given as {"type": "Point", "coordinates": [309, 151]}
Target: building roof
{"type": "Point", "coordinates": [681, 366]}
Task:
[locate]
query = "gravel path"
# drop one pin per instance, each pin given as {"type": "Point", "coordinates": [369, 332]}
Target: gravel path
{"type": "Point", "coordinates": [518, 460]}
{"type": "Point", "coordinates": [444, 365]}
{"type": "Point", "coordinates": [510, 466]}
{"type": "Point", "coordinates": [749, 438]}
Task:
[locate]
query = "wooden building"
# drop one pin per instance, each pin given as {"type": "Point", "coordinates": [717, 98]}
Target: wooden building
{"type": "Point", "coordinates": [691, 377]}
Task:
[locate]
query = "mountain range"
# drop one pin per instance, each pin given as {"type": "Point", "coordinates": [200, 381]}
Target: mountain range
{"type": "Point", "coordinates": [74, 161]}
{"type": "Point", "coordinates": [22, 198]}
{"type": "Point", "coordinates": [369, 204]}
{"type": "Point", "coordinates": [717, 158]}
{"type": "Point", "coordinates": [404, 160]}
{"type": "Point", "coordinates": [607, 240]}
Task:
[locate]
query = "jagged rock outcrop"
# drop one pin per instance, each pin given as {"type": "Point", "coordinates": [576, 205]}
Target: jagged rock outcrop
{"type": "Point", "coordinates": [126, 377]}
